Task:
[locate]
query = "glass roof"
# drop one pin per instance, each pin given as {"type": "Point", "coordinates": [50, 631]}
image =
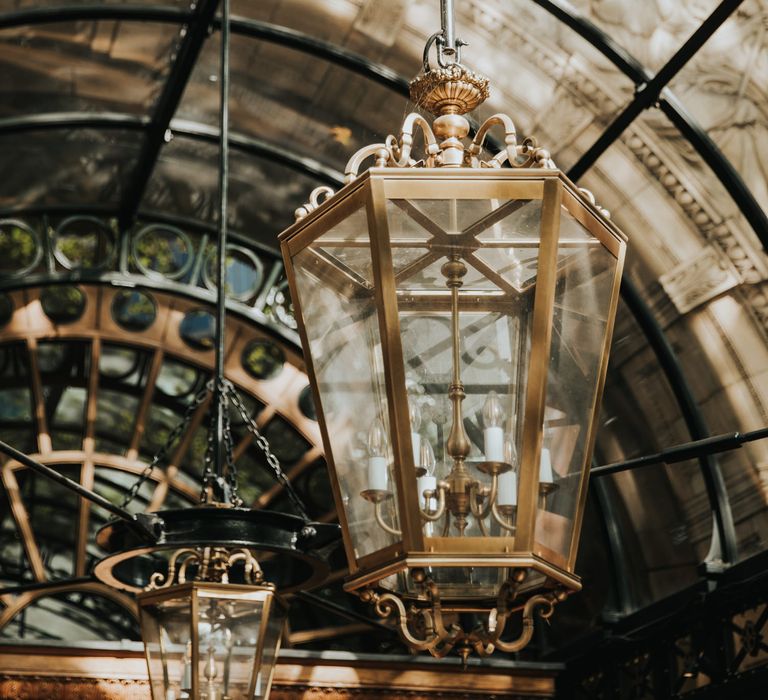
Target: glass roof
{"type": "Point", "coordinates": [81, 91]}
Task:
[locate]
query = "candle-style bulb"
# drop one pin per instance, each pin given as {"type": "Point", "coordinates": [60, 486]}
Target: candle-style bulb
{"type": "Point", "coordinates": [546, 476]}
{"type": "Point", "coordinates": [510, 451]}
{"type": "Point", "coordinates": [377, 440]}
{"type": "Point", "coordinates": [493, 433]}
{"type": "Point", "coordinates": [427, 481]}
{"type": "Point", "coordinates": [427, 457]}
{"type": "Point", "coordinates": [493, 412]}
{"type": "Point", "coordinates": [414, 413]}
{"type": "Point", "coordinates": [378, 447]}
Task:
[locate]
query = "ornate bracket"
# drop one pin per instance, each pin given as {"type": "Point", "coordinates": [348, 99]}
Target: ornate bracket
{"type": "Point", "coordinates": [213, 565]}
{"type": "Point", "coordinates": [423, 627]}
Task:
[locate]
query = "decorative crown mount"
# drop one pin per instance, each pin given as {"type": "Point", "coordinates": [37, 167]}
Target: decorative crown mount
{"type": "Point", "coordinates": [208, 565]}
{"type": "Point", "coordinates": [448, 92]}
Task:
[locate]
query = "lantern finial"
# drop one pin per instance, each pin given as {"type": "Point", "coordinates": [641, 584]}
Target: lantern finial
{"type": "Point", "coordinates": [452, 90]}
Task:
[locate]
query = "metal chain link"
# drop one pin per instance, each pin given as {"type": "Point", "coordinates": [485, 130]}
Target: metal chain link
{"type": "Point", "coordinates": [162, 454]}
{"type": "Point", "coordinates": [263, 444]}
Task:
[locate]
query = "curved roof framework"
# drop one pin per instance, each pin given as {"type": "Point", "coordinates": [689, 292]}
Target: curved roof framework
{"type": "Point", "coordinates": [109, 126]}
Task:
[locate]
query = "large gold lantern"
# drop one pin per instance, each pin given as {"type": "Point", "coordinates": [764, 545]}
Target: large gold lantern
{"type": "Point", "coordinates": [456, 313]}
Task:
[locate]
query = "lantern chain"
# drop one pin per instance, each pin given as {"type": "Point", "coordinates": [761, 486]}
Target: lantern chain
{"type": "Point", "coordinates": [162, 454]}
{"type": "Point", "coordinates": [263, 445]}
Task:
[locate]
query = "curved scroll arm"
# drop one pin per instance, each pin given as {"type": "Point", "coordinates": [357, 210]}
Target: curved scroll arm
{"type": "Point", "coordinates": [381, 151]}
{"type": "Point", "coordinates": [485, 647]}
{"type": "Point", "coordinates": [387, 603]}
{"type": "Point", "coordinates": [510, 140]}
{"type": "Point", "coordinates": [442, 487]}
{"type": "Point", "coordinates": [481, 512]}
{"type": "Point", "coordinates": [158, 580]}
{"type": "Point", "coordinates": [314, 201]}
{"type": "Point", "coordinates": [402, 149]}
{"type": "Point", "coordinates": [383, 524]}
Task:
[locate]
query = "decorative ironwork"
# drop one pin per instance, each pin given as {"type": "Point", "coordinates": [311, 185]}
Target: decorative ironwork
{"type": "Point", "coordinates": [207, 564]}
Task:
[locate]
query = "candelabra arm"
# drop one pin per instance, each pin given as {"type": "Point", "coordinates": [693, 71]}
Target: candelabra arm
{"type": "Point", "coordinates": [382, 523]}
{"type": "Point", "coordinates": [485, 647]}
{"type": "Point", "coordinates": [402, 150]}
{"type": "Point", "coordinates": [501, 519]}
{"type": "Point", "coordinates": [477, 494]}
{"type": "Point", "coordinates": [439, 511]}
{"type": "Point", "coordinates": [510, 139]}
{"type": "Point", "coordinates": [438, 640]}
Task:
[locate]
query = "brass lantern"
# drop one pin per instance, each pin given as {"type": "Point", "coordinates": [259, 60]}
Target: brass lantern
{"type": "Point", "coordinates": [456, 318]}
{"type": "Point", "coordinates": [207, 638]}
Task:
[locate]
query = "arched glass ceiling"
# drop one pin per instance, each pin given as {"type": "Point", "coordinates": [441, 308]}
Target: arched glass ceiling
{"type": "Point", "coordinates": [109, 108]}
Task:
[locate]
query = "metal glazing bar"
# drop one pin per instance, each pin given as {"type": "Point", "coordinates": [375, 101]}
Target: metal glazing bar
{"type": "Point", "coordinates": [72, 120]}
{"type": "Point", "coordinates": [197, 27]}
{"type": "Point", "coordinates": [310, 45]}
{"type": "Point", "coordinates": [67, 483]}
{"type": "Point", "coordinates": [688, 450]}
{"type": "Point", "coordinates": [694, 420]}
{"type": "Point", "coordinates": [603, 42]}
{"type": "Point", "coordinates": [671, 106]}
{"type": "Point", "coordinates": [261, 149]}
{"type": "Point", "coordinates": [648, 93]}
{"type": "Point", "coordinates": [94, 12]}
{"type": "Point", "coordinates": [180, 127]}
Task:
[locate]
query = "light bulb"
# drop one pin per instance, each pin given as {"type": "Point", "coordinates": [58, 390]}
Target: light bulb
{"type": "Point", "coordinates": [428, 481]}
{"type": "Point", "coordinates": [378, 446]}
{"type": "Point", "coordinates": [493, 412]}
{"type": "Point", "coordinates": [493, 434]}
{"type": "Point", "coordinates": [377, 440]}
{"type": "Point", "coordinates": [546, 476]}
{"type": "Point", "coordinates": [510, 451]}
{"type": "Point", "coordinates": [427, 457]}
{"type": "Point", "coordinates": [414, 413]}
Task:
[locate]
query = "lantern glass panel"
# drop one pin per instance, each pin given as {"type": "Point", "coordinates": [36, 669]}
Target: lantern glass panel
{"type": "Point", "coordinates": [166, 628]}
{"type": "Point", "coordinates": [237, 638]}
{"type": "Point", "coordinates": [232, 639]}
{"type": "Point", "coordinates": [498, 241]}
{"type": "Point", "coordinates": [583, 295]}
{"type": "Point", "coordinates": [338, 300]}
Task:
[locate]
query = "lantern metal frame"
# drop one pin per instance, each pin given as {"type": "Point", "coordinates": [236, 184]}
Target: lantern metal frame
{"type": "Point", "coordinates": [208, 569]}
{"type": "Point", "coordinates": [448, 169]}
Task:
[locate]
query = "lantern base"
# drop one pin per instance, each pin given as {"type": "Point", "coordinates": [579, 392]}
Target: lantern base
{"type": "Point", "coordinates": [291, 554]}
{"type": "Point", "coordinates": [435, 626]}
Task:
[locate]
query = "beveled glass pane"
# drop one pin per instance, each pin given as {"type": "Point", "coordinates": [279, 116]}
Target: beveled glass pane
{"type": "Point", "coordinates": [583, 292]}
{"type": "Point", "coordinates": [336, 291]}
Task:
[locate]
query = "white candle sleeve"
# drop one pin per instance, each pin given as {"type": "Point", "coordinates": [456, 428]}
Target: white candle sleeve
{"type": "Point", "coordinates": [494, 444]}
{"type": "Point", "coordinates": [425, 483]}
{"type": "Point", "coordinates": [545, 469]}
{"type": "Point", "coordinates": [377, 473]}
{"type": "Point", "coordinates": [416, 443]}
{"type": "Point", "coordinates": [507, 489]}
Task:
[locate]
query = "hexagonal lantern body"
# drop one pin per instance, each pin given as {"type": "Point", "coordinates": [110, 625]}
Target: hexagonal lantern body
{"type": "Point", "coordinates": [211, 641]}
{"type": "Point", "coordinates": [456, 324]}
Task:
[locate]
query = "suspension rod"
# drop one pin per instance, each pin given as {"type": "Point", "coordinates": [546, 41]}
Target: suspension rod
{"type": "Point", "coordinates": [221, 249]}
{"type": "Point", "coordinates": [448, 26]}
{"type": "Point", "coordinates": [67, 483]}
{"type": "Point", "coordinates": [685, 451]}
